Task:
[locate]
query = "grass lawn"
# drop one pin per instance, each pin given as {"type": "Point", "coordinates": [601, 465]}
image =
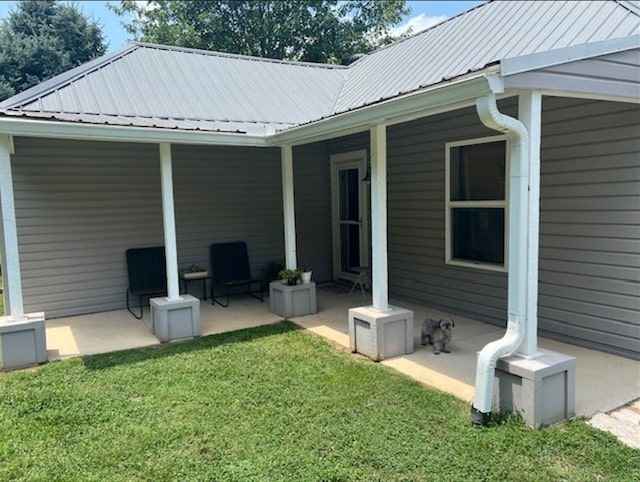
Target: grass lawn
{"type": "Point", "coordinates": [272, 403]}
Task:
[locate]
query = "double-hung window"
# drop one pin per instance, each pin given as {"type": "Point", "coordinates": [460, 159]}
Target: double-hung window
{"type": "Point", "coordinates": [476, 203]}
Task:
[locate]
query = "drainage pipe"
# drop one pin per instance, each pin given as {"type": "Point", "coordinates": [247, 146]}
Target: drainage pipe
{"type": "Point", "coordinates": [517, 261]}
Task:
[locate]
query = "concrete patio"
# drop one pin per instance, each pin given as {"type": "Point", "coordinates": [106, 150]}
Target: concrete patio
{"type": "Point", "coordinates": [603, 382]}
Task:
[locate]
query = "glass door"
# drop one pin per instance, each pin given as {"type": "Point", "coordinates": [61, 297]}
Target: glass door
{"type": "Point", "coordinates": [350, 247]}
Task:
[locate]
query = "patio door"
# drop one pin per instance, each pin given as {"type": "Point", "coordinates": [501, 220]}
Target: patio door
{"type": "Point", "coordinates": [350, 213]}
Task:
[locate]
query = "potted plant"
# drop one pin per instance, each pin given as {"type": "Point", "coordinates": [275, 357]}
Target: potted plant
{"type": "Point", "coordinates": [289, 276]}
{"type": "Point", "coordinates": [194, 271]}
{"type": "Point", "coordinates": [305, 274]}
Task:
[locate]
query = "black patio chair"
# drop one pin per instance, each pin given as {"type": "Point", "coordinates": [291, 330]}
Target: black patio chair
{"type": "Point", "coordinates": [147, 275]}
{"type": "Point", "coordinates": [230, 269]}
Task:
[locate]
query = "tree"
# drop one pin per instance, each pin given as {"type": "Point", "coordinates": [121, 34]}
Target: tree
{"type": "Point", "coordinates": [41, 39]}
{"type": "Point", "coordinates": [312, 31]}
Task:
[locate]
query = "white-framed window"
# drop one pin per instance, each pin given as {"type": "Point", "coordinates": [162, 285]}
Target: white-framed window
{"type": "Point", "coordinates": [476, 203]}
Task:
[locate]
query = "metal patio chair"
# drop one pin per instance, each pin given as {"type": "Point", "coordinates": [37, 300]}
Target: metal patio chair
{"type": "Point", "coordinates": [147, 272]}
{"type": "Point", "coordinates": [230, 269]}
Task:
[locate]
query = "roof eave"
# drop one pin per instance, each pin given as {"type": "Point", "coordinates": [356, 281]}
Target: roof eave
{"type": "Point", "coordinates": [109, 133]}
{"type": "Point", "coordinates": [443, 97]}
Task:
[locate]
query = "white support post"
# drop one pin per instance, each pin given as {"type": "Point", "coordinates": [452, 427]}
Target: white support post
{"type": "Point", "coordinates": [11, 267]}
{"type": "Point", "coordinates": [530, 114]}
{"type": "Point", "coordinates": [288, 207]}
{"type": "Point", "coordinates": [379, 288]}
{"type": "Point", "coordinates": [168, 216]}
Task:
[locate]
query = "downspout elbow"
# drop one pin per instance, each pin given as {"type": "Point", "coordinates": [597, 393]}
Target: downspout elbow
{"type": "Point", "coordinates": [517, 290]}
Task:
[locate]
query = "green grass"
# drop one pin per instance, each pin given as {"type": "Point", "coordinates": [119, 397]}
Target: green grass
{"type": "Point", "coordinates": [272, 403]}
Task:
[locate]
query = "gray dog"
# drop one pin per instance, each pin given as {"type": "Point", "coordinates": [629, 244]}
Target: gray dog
{"type": "Point", "coordinates": [437, 333]}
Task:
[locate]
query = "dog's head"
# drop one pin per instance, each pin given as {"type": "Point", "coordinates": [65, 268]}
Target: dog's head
{"type": "Point", "coordinates": [446, 324]}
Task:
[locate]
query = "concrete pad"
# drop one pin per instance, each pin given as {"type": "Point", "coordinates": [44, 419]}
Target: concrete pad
{"type": "Point", "coordinates": [603, 381]}
{"type": "Point", "coordinates": [96, 333]}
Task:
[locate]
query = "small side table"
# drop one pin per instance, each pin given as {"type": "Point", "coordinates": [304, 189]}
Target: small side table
{"type": "Point", "coordinates": [203, 276]}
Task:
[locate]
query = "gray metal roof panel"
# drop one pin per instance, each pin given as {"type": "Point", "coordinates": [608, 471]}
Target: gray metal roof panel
{"type": "Point", "coordinates": [212, 87]}
{"type": "Point", "coordinates": [146, 85]}
{"type": "Point", "coordinates": [477, 38]}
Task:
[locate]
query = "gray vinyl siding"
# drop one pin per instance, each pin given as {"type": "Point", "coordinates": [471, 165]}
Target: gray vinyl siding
{"type": "Point", "coordinates": [613, 75]}
{"type": "Point", "coordinates": [81, 205]}
{"type": "Point", "coordinates": [590, 225]}
{"type": "Point", "coordinates": [416, 225]}
{"type": "Point", "coordinates": [590, 222]}
{"type": "Point", "coordinates": [228, 194]}
{"type": "Point", "coordinates": [312, 188]}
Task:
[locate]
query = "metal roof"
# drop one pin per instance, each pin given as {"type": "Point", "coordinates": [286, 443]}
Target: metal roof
{"type": "Point", "coordinates": [478, 38]}
{"type": "Point", "coordinates": [147, 85]}
{"type": "Point", "coordinates": [186, 89]}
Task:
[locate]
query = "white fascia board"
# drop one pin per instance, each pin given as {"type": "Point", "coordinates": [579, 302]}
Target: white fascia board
{"type": "Point", "coordinates": [68, 130]}
{"type": "Point", "coordinates": [399, 109]}
{"type": "Point", "coordinates": [540, 60]}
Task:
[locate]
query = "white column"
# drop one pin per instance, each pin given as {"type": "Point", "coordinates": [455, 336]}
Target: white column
{"type": "Point", "coordinates": [11, 268]}
{"type": "Point", "coordinates": [379, 266]}
{"type": "Point", "coordinates": [288, 206]}
{"type": "Point", "coordinates": [530, 114]}
{"type": "Point", "coordinates": [168, 216]}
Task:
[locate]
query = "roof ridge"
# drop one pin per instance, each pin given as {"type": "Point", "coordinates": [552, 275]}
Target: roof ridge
{"type": "Point", "coordinates": [215, 53]}
{"type": "Point", "coordinates": [64, 78]}
{"type": "Point", "coordinates": [634, 9]}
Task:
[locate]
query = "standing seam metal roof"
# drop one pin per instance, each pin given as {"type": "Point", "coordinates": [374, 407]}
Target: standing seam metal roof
{"type": "Point", "coordinates": [153, 85]}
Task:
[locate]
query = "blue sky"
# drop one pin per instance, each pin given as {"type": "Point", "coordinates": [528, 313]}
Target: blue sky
{"type": "Point", "coordinates": [424, 14]}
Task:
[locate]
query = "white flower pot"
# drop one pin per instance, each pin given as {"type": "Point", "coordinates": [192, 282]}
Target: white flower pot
{"type": "Point", "coordinates": [306, 277]}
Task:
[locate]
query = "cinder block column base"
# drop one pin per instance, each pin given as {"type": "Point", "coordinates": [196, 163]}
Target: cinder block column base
{"type": "Point", "coordinates": [289, 301]}
{"type": "Point", "coordinates": [175, 319]}
{"type": "Point", "coordinates": [541, 389]}
{"type": "Point", "coordinates": [380, 334]}
{"type": "Point", "coordinates": [23, 342]}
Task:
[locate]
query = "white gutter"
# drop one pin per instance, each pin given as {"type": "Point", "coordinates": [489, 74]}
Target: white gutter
{"type": "Point", "coordinates": [459, 93]}
{"type": "Point", "coordinates": [110, 133]}
{"type": "Point", "coordinates": [517, 262]}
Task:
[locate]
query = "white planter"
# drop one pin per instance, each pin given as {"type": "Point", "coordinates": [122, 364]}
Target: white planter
{"type": "Point", "coordinates": [305, 276]}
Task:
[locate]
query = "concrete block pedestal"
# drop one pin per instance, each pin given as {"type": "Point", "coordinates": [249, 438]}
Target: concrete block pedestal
{"type": "Point", "coordinates": [289, 301]}
{"type": "Point", "coordinates": [542, 389]}
{"type": "Point", "coordinates": [22, 342]}
{"type": "Point", "coordinates": [175, 319]}
{"type": "Point", "coordinates": [381, 334]}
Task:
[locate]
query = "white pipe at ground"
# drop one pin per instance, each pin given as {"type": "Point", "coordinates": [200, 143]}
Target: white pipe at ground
{"type": "Point", "coordinates": [517, 259]}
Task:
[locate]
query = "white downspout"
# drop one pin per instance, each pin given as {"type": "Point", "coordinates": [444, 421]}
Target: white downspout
{"type": "Point", "coordinates": [517, 261]}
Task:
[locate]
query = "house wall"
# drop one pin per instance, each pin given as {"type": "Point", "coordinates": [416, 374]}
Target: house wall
{"type": "Point", "coordinates": [312, 190]}
{"type": "Point", "coordinates": [81, 205]}
{"type": "Point", "coordinates": [590, 224]}
{"type": "Point", "coordinates": [589, 233]}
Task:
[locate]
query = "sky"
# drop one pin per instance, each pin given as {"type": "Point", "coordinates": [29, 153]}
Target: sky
{"type": "Point", "coordinates": [424, 15]}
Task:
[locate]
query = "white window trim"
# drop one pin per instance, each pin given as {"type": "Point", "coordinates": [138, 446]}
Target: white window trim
{"type": "Point", "coordinates": [449, 205]}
